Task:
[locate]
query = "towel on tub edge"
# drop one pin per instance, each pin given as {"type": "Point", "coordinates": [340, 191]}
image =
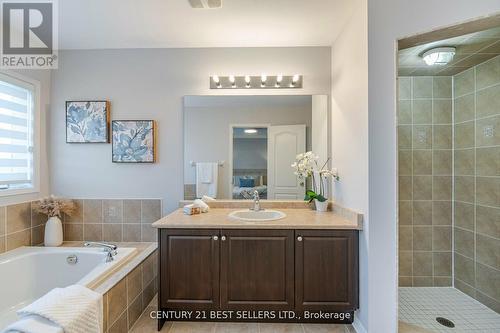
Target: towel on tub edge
{"type": "Point", "coordinates": [75, 309]}
{"type": "Point", "coordinates": [33, 324]}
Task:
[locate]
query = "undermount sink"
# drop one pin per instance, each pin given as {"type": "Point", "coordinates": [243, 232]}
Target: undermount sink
{"type": "Point", "coordinates": [253, 216]}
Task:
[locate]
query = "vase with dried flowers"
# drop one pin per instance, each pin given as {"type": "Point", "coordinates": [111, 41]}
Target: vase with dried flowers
{"type": "Point", "coordinates": [54, 208]}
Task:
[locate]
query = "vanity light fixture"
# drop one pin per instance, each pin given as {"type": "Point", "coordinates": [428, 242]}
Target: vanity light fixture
{"type": "Point", "coordinates": [279, 78]}
{"type": "Point", "coordinates": [262, 81]}
{"type": "Point", "coordinates": [232, 80]}
{"type": "Point", "coordinates": [216, 80]}
{"type": "Point", "coordinates": [439, 56]}
{"type": "Point", "coordinates": [250, 131]}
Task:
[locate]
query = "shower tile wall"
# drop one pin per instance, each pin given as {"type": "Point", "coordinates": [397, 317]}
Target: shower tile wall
{"type": "Point", "coordinates": [425, 181]}
{"type": "Point", "coordinates": [477, 182]}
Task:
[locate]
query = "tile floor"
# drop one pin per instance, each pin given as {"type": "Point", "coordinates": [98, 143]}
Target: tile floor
{"type": "Point", "coordinates": [147, 325]}
{"type": "Point", "coordinates": [420, 306]}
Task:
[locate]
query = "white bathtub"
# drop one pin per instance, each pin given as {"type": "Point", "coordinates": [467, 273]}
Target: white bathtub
{"type": "Point", "coordinates": [28, 273]}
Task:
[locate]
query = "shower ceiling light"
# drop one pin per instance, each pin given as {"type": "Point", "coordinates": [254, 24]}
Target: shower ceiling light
{"type": "Point", "coordinates": [439, 55]}
{"type": "Point", "coordinates": [250, 131]}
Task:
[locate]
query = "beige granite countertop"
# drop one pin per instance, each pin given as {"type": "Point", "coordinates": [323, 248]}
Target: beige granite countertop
{"type": "Point", "coordinates": [296, 218]}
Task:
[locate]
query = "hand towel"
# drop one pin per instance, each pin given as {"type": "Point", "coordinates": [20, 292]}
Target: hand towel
{"type": "Point", "coordinates": [33, 324]}
{"type": "Point", "coordinates": [75, 308]}
{"type": "Point", "coordinates": [206, 179]}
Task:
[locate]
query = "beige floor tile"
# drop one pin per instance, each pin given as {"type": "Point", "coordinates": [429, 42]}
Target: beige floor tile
{"type": "Point", "coordinates": [325, 328]}
{"type": "Point", "coordinates": [237, 327]}
{"type": "Point", "coordinates": [280, 328]}
{"type": "Point", "coordinates": [145, 324]}
{"type": "Point", "coordinates": [192, 327]}
{"type": "Point", "coordinates": [408, 328]}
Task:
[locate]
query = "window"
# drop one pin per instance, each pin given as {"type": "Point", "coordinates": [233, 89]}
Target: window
{"type": "Point", "coordinates": [18, 129]}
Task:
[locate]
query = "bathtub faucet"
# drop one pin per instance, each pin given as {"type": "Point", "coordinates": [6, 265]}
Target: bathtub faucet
{"type": "Point", "coordinates": [109, 248]}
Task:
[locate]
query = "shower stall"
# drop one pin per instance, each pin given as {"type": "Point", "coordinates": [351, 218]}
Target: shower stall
{"type": "Point", "coordinates": [449, 183]}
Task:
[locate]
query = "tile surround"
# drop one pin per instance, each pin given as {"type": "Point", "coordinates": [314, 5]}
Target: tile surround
{"type": "Point", "coordinates": [94, 219]}
{"type": "Point", "coordinates": [125, 301]}
{"type": "Point", "coordinates": [425, 183]}
{"type": "Point", "coordinates": [117, 220]}
{"type": "Point", "coordinates": [477, 182]}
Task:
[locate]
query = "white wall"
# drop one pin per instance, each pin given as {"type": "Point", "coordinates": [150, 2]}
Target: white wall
{"type": "Point", "coordinates": [150, 84]}
{"type": "Point", "coordinates": [207, 121]}
{"type": "Point", "coordinates": [350, 131]}
{"type": "Point", "coordinates": [389, 20]}
{"type": "Point", "coordinates": [42, 76]}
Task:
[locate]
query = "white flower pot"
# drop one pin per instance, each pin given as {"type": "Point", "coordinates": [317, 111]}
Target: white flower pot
{"type": "Point", "coordinates": [321, 206]}
{"type": "Point", "coordinates": [53, 232]}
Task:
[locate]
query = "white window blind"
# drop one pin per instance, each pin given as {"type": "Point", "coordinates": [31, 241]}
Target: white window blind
{"type": "Point", "coordinates": [16, 133]}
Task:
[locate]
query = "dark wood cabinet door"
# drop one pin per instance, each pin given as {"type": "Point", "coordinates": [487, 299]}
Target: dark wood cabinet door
{"type": "Point", "coordinates": [326, 270]}
{"type": "Point", "coordinates": [189, 269]}
{"type": "Point", "coordinates": [257, 269]}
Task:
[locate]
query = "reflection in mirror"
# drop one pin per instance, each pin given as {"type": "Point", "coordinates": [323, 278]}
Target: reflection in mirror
{"type": "Point", "coordinates": [249, 156]}
{"type": "Point", "coordinates": [235, 146]}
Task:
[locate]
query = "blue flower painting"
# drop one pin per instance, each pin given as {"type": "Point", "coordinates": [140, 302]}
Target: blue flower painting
{"type": "Point", "coordinates": [133, 141]}
{"type": "Point", "coordinates": [87, 121]}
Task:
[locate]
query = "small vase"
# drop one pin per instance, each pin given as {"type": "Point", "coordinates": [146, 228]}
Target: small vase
{"type": "Point", "coordinates": [321, 206]}
{"type": "Point", "coordinates": [53, 232]}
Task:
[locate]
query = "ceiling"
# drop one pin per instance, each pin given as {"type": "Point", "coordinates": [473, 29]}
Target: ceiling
{"type": "Point", "coordinates": [110, 24]}
{"type": "Point", "coordinates": [471, 50]}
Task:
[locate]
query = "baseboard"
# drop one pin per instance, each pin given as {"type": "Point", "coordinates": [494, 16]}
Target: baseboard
{"type": "Point", "coordinates": [358, 326]}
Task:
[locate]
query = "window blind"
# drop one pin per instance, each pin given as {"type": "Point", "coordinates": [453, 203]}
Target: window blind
{"type": "Point", "coordinates": [16, 133]}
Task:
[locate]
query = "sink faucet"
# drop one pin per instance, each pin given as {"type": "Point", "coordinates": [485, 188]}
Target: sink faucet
{"type": "Point", "coordinates": [256, 202]}
{"type": "Point", "coordinates": [109, 248]}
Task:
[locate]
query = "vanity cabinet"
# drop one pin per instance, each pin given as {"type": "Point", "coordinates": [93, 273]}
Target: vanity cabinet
{"type": "Point", "coordinates": [264, 269]}
{"type": "Point", "coordinates": [257, 269]}
{"type": "Point", "coordinates": [189, 269]}
{"type": "Point", "coordinates": [326, 270]}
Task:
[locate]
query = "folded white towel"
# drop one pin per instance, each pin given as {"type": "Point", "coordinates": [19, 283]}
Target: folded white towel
{"type": "Point", "coordinates": [75, 309]}
{"type": "Point", "coordinates": [203, 206]}
{"type": "Point", "coordinates": [33, 324]}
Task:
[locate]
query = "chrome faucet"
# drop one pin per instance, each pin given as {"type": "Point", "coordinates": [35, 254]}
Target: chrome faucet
{"type": "Point", "coordinates": [109, 248]}
{"type": "Point", "coordinates": [256, 202]}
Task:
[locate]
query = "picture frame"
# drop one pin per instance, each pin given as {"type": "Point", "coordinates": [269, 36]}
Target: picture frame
{"type": "Point", "coordinates": [88, 121]}
{"type": "Point", "coordinates": [133, 141]}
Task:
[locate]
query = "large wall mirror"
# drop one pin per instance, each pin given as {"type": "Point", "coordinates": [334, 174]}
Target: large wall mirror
{"type": "Point", "coordinates": [237, 145]}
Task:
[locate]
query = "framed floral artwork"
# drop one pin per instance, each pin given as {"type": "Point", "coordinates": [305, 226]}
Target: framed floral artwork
{"type": "Point", "coordinates": [87, 121]}
{"type": "Point", "coordinates": [133, 141]}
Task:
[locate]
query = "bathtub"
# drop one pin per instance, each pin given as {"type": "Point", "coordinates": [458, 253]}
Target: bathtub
{"type": "Point", "coordinates": [28, 273]}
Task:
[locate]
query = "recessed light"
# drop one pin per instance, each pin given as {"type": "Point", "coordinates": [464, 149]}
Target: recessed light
{"type": "Point", "coordinates": [250, 131]}
{"type": "Point", "coordinates": [439, 56]}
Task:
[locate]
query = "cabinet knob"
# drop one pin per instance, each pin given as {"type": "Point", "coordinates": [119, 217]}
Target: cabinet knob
{"type": "Point", "coordinates": [215, 238]}
{"type": "Point", "coordinates": [299, 238]}
{"type": "Point", "coordinates": [223, 238]}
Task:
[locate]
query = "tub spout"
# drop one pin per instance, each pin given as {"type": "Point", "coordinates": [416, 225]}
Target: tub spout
{"type": "Point", "coordinates": [109, 248]}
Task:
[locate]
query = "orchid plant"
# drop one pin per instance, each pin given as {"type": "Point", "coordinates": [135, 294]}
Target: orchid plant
{"type": "Point", "coordinates": [305, 166]}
